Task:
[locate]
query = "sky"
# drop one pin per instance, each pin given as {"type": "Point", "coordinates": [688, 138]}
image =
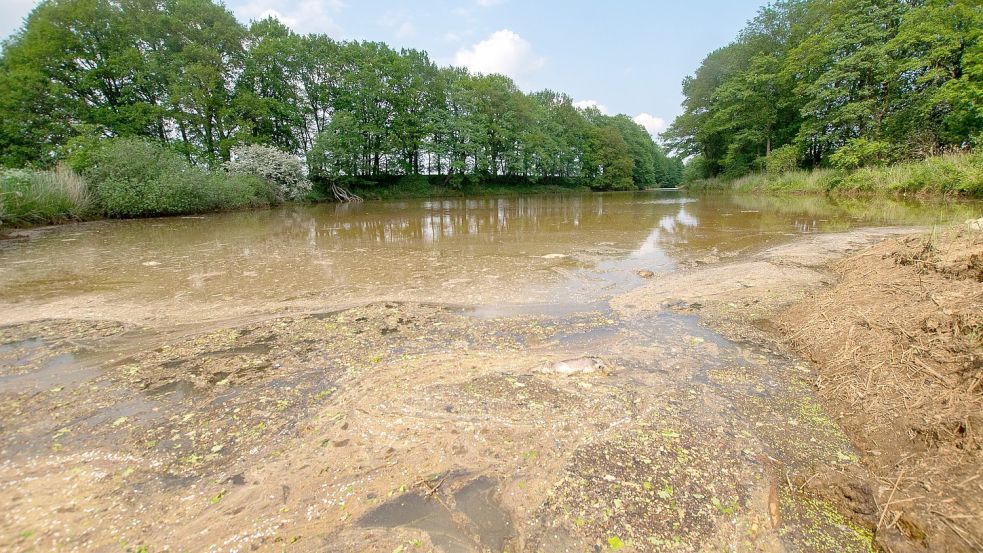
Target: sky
{"type": "Point", "coordinates": [621, 56]}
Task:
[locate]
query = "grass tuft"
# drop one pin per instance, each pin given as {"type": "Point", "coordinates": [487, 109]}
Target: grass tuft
{"type": "Point", "coordinates": [29, 197]}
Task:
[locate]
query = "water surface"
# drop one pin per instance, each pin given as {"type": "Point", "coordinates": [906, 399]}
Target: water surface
{"type": "Point", "coordinates": [547, 252]}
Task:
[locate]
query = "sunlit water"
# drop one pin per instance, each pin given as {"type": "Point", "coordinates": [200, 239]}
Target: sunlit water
{"type": "Point", "coordinates": [545, 252]}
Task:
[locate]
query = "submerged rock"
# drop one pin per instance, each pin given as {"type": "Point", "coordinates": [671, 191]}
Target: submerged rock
{"type": "Point", "coordinates": [579, 365]}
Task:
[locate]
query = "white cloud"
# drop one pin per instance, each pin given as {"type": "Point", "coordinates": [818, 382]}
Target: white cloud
{"type": "Point", "coordinates": [654, 125]}
{"type": "Point", "coordinates": [399, 22]}
{"type": "Point", "coordinates": [503, 52]}
{"type": "Point", "coordinates": [303, 16]}
{"type": "Point", "coordinates": [405, 29]}
{"type": "Point", "coordinates": [584, 104]}
{"type": "Point", "coordinates": [489, 3]}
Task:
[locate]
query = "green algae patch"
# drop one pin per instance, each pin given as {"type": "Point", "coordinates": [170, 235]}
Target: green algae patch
{"type": "Point", "coordinates": [812, 524]}
{"type": "Point", "coordinates": [796, 428]}
{"type": "Point", "coordinates": [647, 487]}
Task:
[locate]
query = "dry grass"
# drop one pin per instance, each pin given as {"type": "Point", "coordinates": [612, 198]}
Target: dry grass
{"type": "Point", "coordinates": [41, 197]}
{"type": "Point", "coordinates": [899, 346]}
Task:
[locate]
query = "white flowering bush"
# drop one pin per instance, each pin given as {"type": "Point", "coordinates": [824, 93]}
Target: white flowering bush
{"type": "Point", "coordinates": [282, 170]}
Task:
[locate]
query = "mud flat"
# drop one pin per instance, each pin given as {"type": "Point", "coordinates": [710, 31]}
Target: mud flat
{"type": "Point", "coordinates": [410, 426]}
{"type": "Point", "coordinates": [414, 426]}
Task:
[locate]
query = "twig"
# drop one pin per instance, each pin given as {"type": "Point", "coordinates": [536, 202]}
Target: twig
{"type": "Point", "coordinates": [889, 498]}
{"type": "Point", "coordinates": [973, 544]}
{"type": "Point", "coordinates": [432, 490]}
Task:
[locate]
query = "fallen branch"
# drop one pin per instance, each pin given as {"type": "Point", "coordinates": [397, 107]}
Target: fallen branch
{"type": "Point", "coordinates": [343, 195]}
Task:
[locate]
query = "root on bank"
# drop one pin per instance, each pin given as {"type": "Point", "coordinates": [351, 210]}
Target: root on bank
{"type": "Point", "coordinates": [343, 195]}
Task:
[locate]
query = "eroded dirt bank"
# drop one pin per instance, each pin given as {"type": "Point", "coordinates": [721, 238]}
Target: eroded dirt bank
{"type": "Point", "coordinates": [420, 427]}
{"type": "Point", "coordinates": [899, 346]}
{"type": "Point", "coordinates": [894, 332]}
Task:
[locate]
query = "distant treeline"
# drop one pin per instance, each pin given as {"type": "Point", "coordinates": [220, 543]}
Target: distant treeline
{"type": "Point", "coordinates": [842, 83]}
{"type": "Point", "coordinates": [185, 73]}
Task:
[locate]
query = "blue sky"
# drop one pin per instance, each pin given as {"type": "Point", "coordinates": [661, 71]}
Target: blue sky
{"type": "Point", "coordinates": [628, 57]}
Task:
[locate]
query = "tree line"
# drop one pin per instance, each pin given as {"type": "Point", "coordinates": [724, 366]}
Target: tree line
{"type": "Point", "coordinates": [842, 83]}
{"type": "Point", "coordinates": [187, 74]}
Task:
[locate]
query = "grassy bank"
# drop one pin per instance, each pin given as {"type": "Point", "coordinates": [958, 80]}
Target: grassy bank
{"type": "Point", "coordinates": [134, 178]}
{"type": "Point", "coordinates": [952, 174]}
{"type": "Point", "coordinates": [42, 197]}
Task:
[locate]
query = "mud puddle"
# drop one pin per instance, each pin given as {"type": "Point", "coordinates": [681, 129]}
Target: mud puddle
{"type": "Point", "coordinates": [469, 519]}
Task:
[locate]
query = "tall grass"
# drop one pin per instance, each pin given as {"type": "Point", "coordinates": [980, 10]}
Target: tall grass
{"type": "Point", "coordinates": [29, 197]}
{"type": "Point", "coordinates": [951, 174]}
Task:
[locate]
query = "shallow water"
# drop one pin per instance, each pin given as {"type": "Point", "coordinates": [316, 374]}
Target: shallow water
{"type": "Point", "coordinates": [529, 253]}
{"type": "Point", "coordinates": [477, 521]}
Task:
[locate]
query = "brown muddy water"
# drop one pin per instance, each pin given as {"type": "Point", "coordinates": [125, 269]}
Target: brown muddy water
{"type": "Point", "coordinates": [438, 375]}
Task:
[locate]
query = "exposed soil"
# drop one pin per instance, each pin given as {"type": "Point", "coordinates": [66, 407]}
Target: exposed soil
{"type": "Point", "coordinates": [896, 335]}
{"type": "Point", "coordinates": [740, 298]}
{"type": "Point", "coordinates": [899, 347]}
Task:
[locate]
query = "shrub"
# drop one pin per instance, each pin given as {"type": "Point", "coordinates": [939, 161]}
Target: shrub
{"type": "Point", "coordinates": [782, 160]}
{"type": "Point", "coordinates": [227, 191]}
{"type": "Point", "coordinates": [860, 152]}
{"type": "Point", "coordinates": [136, 178]}
{"type": "Point", "coordinates": [30, 197]}
{"type": "Point", "coordinates": [283, 171]}
{"type": "Point", "coordinates": [695, 169]}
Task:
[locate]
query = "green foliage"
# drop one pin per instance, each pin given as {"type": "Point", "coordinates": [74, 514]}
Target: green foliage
{"type": "Point", "coordinates": [608, 162]}
{"type": "Point", "coordinates": [783, 160]}
{"type": "Point", "coordinates": [136, 178]}
{"type": "Point", "coordinates": [960, 174]}
{"type": "Point", "coordinates": [950, 174]}
{"type": "Point", "coordinates": [187, 75]}
{"type": "Point", "coordinates": [155, 69]}
{"type": "Point", "coordinates": [695, 169]}
{"type": "Point", "coordinates": [30, 197]}
{"type": "Point", "coordinates": [860, 152]}
{"type": "Point", "coordinates": [798, 181]}
{"type": "Point", "coordinates": [282, 171]}
{"type": "Point", "coordinates": [424, 186]}
{"type": "Point", "coordinates": [873, 79]}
